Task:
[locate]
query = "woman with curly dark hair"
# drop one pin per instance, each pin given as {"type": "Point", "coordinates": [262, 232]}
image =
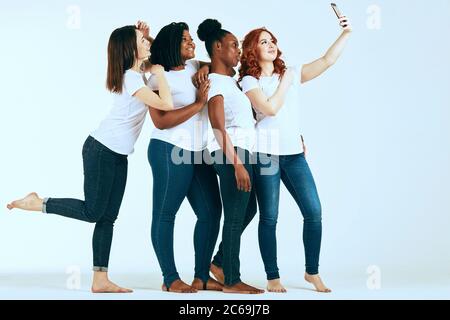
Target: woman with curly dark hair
{"type": "Point", "coordinates": [182, 133]}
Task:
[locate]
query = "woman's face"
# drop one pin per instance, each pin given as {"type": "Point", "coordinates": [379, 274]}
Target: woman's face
{"type": "Point", "coordinates": [230, 54]}
{"type": "Point", "coordinates": [143, 46]}
{"type": "Point", "coordinates": [267, 49]}
{"type": "Point", "coordinates": [187, 46]}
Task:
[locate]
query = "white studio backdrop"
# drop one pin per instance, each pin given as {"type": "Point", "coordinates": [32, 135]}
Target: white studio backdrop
{"type": "Point", "coordinates": [376, 125]}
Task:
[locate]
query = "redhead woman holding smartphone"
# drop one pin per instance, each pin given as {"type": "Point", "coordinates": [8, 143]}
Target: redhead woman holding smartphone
{"type": "Point", "coordinates": [105, 151]}
{"type": "Point", "coordinates": [273, 90]}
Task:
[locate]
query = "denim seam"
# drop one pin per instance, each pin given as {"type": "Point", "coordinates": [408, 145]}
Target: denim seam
{"type": "Point", "coordinates": [300, 204]}
{"type": "Point", "coordinates": [260, 212]}
{"type": "Point", "coordinates": [103, 215]}
{"type": "Point", "coordinates": [208, 238]}
{"type": "Point", "coordinates": [163, 206]}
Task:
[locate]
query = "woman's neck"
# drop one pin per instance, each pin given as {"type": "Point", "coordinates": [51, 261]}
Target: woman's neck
{"type": "Point", "coordinates": [217, 66]}
{"type": "Point", "coordinates": [137, 65]}
{"type": "Point", "coordinates": [181, 67]}
{"type": "Point", "coordinates": [267, 68]}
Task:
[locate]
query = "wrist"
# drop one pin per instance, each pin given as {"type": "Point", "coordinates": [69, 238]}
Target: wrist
{"type": "Point", "coordinates": [238, 164]}
{"type": "Point", "coordinates": [346, 32]}
{"type": "Point", "coordinates": [198, 104]}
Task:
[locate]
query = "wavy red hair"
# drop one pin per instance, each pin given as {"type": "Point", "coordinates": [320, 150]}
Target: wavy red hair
{"type": "Point", "coordinates": [249, 58]}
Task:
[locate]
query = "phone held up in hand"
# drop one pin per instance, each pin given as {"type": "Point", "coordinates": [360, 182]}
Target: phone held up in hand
{"type": "Point", "coordinates": [337, 11]}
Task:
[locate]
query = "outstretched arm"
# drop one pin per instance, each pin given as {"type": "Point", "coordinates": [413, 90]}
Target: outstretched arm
{"type": "Point", "coordinates": [316, 68]}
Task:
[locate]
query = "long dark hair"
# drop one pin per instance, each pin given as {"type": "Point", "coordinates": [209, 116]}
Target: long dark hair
{"type": "Point", "coordinates": [165, 48]}
{"type": "Point", "coordinates": [122, 53]}
{"type": "Point", "coordinates": [211, 31]}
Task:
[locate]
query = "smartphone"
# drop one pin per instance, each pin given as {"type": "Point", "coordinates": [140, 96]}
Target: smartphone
{"type": "Point", "coordinates": [336, 10]}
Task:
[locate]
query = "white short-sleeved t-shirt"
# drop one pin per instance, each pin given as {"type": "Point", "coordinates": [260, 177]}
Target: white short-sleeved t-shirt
{"type": "Point", "coordinates": [192, 134]}
{"type": "Point", "coordinates": [121, 128]}
{"type": "Point", "coordinates": [239, 122]}
{"type": "Point", "coordinates": [279, 134]}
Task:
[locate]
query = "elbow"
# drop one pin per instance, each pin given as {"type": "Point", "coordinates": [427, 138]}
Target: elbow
{"type": "Point", "coordinates": [164, 106]}
{"type": "Point", "coordinates": [160, 126]}
{"type": "Point", "coordinates": [271, 112]}
{"type": "Point", "coordinates": [161, 123]}
{"type": "Point", "coordinates": [329, 61]}
{"type": "Point", "coordinates": [168, 106]}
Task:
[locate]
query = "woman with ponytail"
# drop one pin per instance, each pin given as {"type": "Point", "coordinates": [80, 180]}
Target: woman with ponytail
{"type": "Point", "coordinates": [232, 121]}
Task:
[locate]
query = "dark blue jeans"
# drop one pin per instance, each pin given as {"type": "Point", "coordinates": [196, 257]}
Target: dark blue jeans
{"type": "Point", "coordinates": [105, 176]}
{"type": "Point", "coordinates": [173, 181]}
{"type": "Point", "coordinates": [296, 175]}
{"type": "Point", "coordinates": [239, 209]}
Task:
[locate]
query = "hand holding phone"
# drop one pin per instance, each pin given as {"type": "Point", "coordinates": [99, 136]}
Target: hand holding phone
{"type": "Point", "coordinates": [343, 21]}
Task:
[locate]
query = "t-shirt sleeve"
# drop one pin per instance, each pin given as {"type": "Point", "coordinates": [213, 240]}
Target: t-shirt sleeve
{"type": "Point", "coordinates": [153, 83]}
{"type": "Point", "coordinates": [297, 73]}
{"type": "Point", "coordinates": [133, 81]}
{"type": "Point", "coordinates": [249, 83]}
{"type": "Point", "coordinates": [217, 88]}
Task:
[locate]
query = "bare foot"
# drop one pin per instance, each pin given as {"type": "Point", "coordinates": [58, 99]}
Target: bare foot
{"type": "Point", "coordinates": [179, 286]}
{"type": "Point", "coordinates": [275, 286]}
{"type": "Point", "coordinates": [242, 288]}
{"type": "Point", "coordinates": [211, 285]}
{"type": "Point", "coordinates": [107, 286]}
{"type": "Point", "coordinates": [217, 273]}
{"type": "Point", "coordinates": [317, 282]}
{"type": "Point", "coordinates": [31, 202]}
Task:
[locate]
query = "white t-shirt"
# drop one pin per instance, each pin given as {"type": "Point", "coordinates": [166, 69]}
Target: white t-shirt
{"type": "Point", "coordinates": [239, 122]}
{"type": "Point", "coordinates": [192, 134]}
{"type": "Point", "coordinates": [121, 128]}
{"type": "Point", "coordinates": [279, 134]}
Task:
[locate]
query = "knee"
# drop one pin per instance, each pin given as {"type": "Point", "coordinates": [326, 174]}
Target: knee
{"type": "Point", "coordinates": [164, 216]}
{"type": "Point", "coordinates": [106, 220]}
{"type": "Point", "coordinates": [314, 214]}
{"type": "Point", "coordinates": [93, 216]}
{"type": "Point", "coordinates": [268, 219]}
{"type": "Point", "coordinates": [210, 217]}
{"type": "Point", "coordinates": [215, 213]}
{"type": "Point", "coordinates": [234, 225]}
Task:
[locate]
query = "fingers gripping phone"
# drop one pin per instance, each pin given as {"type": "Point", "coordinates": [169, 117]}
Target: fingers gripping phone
{"type": "Point", "coordinates": [337, 11]}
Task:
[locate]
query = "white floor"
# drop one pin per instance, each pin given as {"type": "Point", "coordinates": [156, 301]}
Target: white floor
{"type": "Point", "coordinates": [43, 286]}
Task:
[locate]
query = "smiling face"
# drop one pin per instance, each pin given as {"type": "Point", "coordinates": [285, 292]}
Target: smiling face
{"type": "Point", "coordinates": [266, 49]}
{"type": "Point", "coordinates": [143, 46]}
{"type": "Point", "coordinates": [230, 52]}
{"type": "Point", "coordinates": [187, 47]}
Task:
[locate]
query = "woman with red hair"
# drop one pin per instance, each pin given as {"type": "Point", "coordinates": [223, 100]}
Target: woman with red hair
{"type": "Point", "coordinates": [273, 90]}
